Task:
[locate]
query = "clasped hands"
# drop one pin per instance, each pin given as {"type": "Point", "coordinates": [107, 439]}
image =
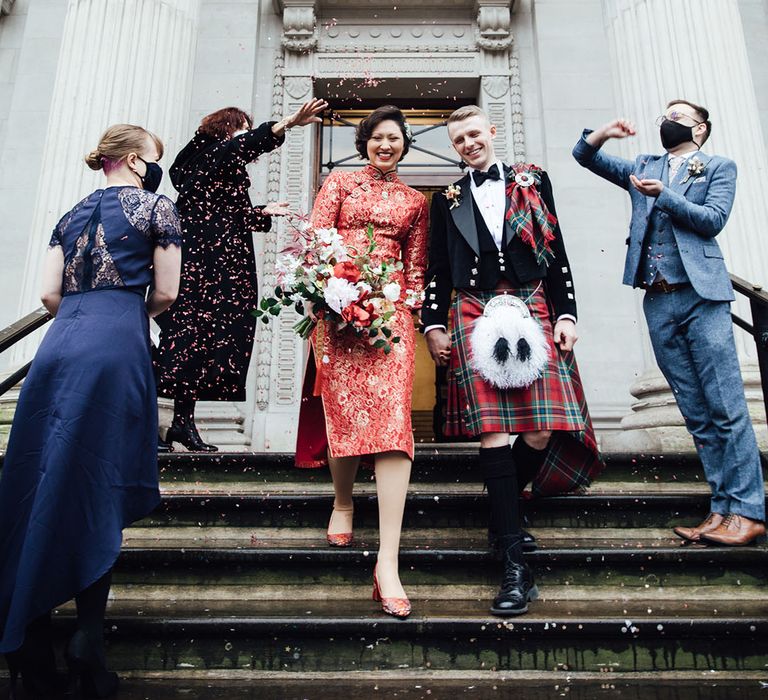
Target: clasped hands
{"type": "Point", "coordinates": [439, 342]}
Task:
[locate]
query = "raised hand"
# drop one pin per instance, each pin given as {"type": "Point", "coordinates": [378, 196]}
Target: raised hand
{"type": "Point", "coordinates": [617, 129]}
{"type": "Point", "coordinates": [307, 114]}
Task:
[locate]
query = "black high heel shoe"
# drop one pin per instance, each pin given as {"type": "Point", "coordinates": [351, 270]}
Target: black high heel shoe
{"type": "Point", "coordinates": [187, 435]}
{"type": "Point", "coordinates": [163, 447]}
{"type": "Point", "coordinates": [89, 677]}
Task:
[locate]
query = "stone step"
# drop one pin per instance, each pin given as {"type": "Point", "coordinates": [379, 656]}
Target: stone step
{"type": "Point", "coordinates": [451, 561]}
{"type": "Point", "coordinates": [643, 599]}
{"type": "Point", "coordinates": [368, 488]}
{"type": "Point", "coordinates": [280, 506]}
{"type": "Point", "coordinates": [428, 685]}
{"type": "Point", "coordinates": [439, 463]}
{"type": "Point", "coordinates": [353, 635]}
{"type": "Point", "coordinates": [367, 538]}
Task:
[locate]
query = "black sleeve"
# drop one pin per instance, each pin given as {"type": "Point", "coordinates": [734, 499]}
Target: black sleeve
{"type": "Point", "coordinates": [260, 222]}
{"type": "Point", "coordinates": [439, 284]}
{"type": "Point", "coordinates": [559, 280]}
{"type": "Point", "coordinates": [256, 142]}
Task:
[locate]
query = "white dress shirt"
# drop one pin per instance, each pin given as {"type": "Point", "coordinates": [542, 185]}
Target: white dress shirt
{"type": "Point", "coordinates": [491, 199]}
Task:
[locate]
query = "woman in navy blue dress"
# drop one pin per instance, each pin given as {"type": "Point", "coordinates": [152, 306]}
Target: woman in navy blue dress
{"type": "Point", "coordinates": [81, 462]}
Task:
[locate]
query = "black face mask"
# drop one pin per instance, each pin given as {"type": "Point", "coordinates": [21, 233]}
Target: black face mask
{"type": "Point", "coordinates": [153, 176]}
{"type": "Point", "coordinates": [673, 134]}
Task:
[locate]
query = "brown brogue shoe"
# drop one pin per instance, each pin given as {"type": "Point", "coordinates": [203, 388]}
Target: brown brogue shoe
{"type": "Point", "coordinates": [736, 531]}
{"type": "Point", "coordinates": [693, 534]}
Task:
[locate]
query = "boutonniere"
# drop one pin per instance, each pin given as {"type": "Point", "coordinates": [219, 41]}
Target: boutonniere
{"type": "Point", "coordinates": [695, 167]}
{"type": "Point", "coordinates": [453, 195]}
{"type": "Point", "coordinates": [524, 175]}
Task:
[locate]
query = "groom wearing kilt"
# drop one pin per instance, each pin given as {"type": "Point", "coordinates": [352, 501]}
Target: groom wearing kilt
{"type": "Point", "coordinates": [496, 242]}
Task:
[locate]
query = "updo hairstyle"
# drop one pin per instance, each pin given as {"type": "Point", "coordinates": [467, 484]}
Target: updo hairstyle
{"type": "Point", "coordinates": [367, 126]}
{"type": "Point", "coordinates": [117, 142]}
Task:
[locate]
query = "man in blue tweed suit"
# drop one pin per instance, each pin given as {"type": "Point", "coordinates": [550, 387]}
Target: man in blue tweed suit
{"type": "Point", "coordinates": [680, 202]}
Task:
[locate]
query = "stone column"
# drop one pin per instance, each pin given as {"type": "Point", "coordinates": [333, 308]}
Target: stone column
{"type": "Point", "coordinates": [120, 61]}
{"type": "Point", "coordinates": [500, 77]}
{"type": "Point", "coordinates": [694, 50]}
{"type": "Point", "coordinates": [279, 354]}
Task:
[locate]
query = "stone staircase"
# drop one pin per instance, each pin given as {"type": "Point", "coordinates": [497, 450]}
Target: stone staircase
{"type": "Point", "coordinates": [229, 590]}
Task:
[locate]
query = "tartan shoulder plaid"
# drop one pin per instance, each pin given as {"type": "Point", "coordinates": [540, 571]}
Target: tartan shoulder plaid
{"type": "Point", "coordinates": [554, 402]}
{"type": "Point", "coordinates": [528, 215]}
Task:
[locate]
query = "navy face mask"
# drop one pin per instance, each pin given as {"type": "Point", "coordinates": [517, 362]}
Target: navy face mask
{"type": "Point", "coordinates": [153, 176]}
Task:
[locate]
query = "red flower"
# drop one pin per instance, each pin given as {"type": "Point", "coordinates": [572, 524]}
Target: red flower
{"type": "Point", "coordinates": [357, 315]}
{"type": "Point", "coordinates": [347, 270]}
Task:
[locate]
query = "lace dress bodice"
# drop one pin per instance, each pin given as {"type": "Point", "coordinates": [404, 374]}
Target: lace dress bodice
{"type": "Point", "coordinates": [109, 239]}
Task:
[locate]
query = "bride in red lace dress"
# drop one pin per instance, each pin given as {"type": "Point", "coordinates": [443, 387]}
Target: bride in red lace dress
{"type": "Point", "coordinates": [364, 402]}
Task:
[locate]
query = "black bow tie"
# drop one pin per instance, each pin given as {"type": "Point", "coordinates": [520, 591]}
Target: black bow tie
{"type": "Point", "coordinates": [480, 177]}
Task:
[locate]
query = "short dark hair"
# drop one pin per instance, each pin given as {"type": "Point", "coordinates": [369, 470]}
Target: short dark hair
{"type": "Point", "coordinates": [366, 127]}
{"type": "Point", "coordinates": [225, 122]}
{"type": "Point", "coordinates": [703, 113]}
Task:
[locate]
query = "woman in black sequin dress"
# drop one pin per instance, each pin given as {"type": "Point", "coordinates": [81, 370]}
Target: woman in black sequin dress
{"type": "Point", "coordinates": [207, 336]}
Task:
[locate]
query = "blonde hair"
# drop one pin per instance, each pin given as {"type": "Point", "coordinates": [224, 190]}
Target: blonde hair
{"type": "Point", "coordinates": [117, 142]}
{"type": "Point", "coordinates": [466, 112]}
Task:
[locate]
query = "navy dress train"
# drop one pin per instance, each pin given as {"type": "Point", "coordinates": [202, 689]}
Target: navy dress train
{"type": "Point", "coordinates": [81, 462]}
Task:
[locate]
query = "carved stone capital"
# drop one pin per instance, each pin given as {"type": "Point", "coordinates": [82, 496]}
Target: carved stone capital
{"type": "Point", "coordinates": [299, 29]}
{"type": "Point", "coordinates": [494, 25]}
{"type": "Point", "coordinates": [5, 7]}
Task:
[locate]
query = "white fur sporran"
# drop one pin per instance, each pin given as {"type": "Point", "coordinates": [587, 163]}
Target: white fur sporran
{"type": "Point", "coordinates": [508, 346]}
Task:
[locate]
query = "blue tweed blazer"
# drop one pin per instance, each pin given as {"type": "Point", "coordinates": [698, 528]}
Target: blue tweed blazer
{"type": "Point", "coordinates": [697, 209]}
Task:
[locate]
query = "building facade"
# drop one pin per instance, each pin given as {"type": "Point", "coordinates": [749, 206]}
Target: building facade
{"type": "Point", "coordinates": [543, 70]}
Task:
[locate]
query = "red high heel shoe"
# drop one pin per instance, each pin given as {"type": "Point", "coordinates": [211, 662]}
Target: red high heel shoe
{"type": "Point", "coordinates": [341, 539]}
{"type": "Point", "coordinates": [397, 607]}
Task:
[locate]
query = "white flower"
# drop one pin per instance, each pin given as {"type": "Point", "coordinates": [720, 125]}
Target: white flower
{"type": "Point", "coordinates": [287, 264]}
{"type": "Point", "coordinates": [339, 294]}
{"type": "Point", "coordinates": [413, 298]}
{"type": "Point", "coordinates": [391, 291]}
{"type": "Point", "coordinates": [382, 306]}
{"type": "Point", "coordinates": [288, 280]}
{"type": "Point", "coordinates": [330, 245]}
{"type": "Point", "coordinates": [453, 195]}
{"type": "Point", "coordinates": [364, 288]}
{"type": "Point", "coordinates": [327, 236]}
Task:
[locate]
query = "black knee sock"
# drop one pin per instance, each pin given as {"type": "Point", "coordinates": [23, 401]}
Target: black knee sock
{"type": "Point", "coordinates": [528, 461]}
{"type": "Point", "coordinates": [501, 480]}
{"type": "Point", "coordinates": [91, 606]}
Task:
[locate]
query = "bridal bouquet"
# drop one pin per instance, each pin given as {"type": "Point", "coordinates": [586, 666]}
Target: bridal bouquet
{"type": "Point", "coordinates": [343, 286]}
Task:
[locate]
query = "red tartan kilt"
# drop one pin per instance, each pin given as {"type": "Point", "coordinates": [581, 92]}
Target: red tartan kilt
{"type": "Point", "coordinates": [474, 406]}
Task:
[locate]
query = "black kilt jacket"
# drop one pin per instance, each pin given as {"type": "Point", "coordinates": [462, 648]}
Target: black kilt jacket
{"type": "Point", "coordinates": [463, 255]}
